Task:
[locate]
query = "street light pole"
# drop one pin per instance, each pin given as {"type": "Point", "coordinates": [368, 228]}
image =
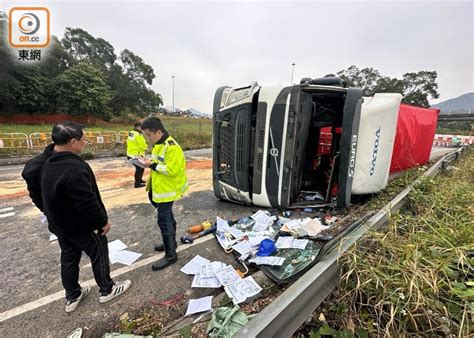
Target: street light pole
{"type": "Point", "coordinates": [172, 77]}
{"type": "Point", "coordinates": [292, 71]}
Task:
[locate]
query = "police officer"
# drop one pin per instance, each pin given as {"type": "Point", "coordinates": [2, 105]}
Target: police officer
{"type": "Point", "coordinates": [136, 146]}
{"type": "Point", "coordinates": [168, 183]}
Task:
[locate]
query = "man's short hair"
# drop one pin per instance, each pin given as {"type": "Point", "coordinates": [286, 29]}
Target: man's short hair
{"type": "Point", "coordinates": [64, 132]}
{"type": "Point", "coordinates": [153, 124]}
{"type": "Point", "coordinates": [137, 124]}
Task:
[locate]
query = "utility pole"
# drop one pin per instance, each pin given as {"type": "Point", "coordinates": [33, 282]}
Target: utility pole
{"type": "Point", "coordinates": [292, 71]}
{"type": "Point", "coordinates": [172, 77]}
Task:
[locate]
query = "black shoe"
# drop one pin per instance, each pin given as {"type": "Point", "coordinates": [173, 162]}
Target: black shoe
{"type": "Point", "coordinates": [142, 181]}
{"type": "Point", "coordinates": [139, 185]}
{"type": "Point", "coordinates": [164, 262]}
{"type": "Point", "coordinates": [159, 247]}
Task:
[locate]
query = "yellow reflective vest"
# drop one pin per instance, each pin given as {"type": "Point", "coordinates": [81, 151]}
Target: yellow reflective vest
{"type": "Point", "coordinates": [136, 144]}
{"type": "Point", "coordinates": [168, 174]}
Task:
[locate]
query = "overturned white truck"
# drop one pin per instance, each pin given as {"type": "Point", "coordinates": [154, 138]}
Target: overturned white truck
{"type": "Point", "coordinates": [318, 142]}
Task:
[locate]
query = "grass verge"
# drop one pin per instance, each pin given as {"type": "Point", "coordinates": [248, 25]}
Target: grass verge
{"type": "Point", "coordinates": [416, 277]}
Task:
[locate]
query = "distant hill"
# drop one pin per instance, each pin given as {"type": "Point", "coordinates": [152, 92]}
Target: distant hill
{"type": "Point", "coordinates": [465, 101]}
{"type": "Point", "coordinates": [198, 113]}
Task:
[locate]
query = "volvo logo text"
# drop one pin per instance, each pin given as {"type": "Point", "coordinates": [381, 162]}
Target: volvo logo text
{"type": "Point", "coordinates": [374, 153]}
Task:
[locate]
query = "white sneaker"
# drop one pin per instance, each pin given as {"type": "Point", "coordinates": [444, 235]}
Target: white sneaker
{"type": "Point", "coordinates": [71, 305]}
{"type": "Point", "coordinates": [117, 290]}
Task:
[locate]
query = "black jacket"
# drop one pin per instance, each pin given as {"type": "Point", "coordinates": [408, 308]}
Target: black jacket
{"type": "Point", "coordinates": [71, 198]}
{"type": "Point", "coordinates": [32, 175]}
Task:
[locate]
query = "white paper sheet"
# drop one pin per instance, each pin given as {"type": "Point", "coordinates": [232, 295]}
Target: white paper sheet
{"type": "Point", "coordinates": [222, 225]}
{"type": "Point", "coordinates": [268, 260]}
{"type": "Point", "coordinates": [53, 237]}
{"type": "Point", "coordinates": [199, 305]}
{"type": "Point", "coordinates": [242, 289]}
{"type": "Point", "coordinates": [116, 245]}
{"type": "Point", "coordinates": [299, 244]}
{"type": "Point", "coordinates": [313, 227]}
{"type": "Point", "coordinates": [262, 217]}
{"type": "Point", "coordinates": [236, 232]}
{"type": "Point", "coordinates": [292, 224]}
{"type": "Point", "coordinates": [284, 242]}
{"type": "Point", "coordinates": [208, 270]}
{"type": "Point", "coordinates": [125, 257]}
{"type": "Point", "coordinates": [259, 226]}
{"type": "Point", "coordinates": [255, 241]}
{"type": "Point", "coordinates": [194, 265]}
{"type": "Point", "coordinates": [242, 247]}
{"type": "Point", "coordinates": [205, 282]}
{"type": "Point", "coordinates": [227, 276]}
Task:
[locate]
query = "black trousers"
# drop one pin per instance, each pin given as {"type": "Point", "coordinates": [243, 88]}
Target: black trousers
{"type": "Point", "coordinates": [138, 173]}
{"type": "Point", "coordinates": [95, 246]}
{"type": "Point", "coordinates": [166, 221]}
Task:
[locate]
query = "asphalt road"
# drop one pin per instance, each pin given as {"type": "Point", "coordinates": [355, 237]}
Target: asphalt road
{"type": "Point", "coordinates": [30, 261]}
{"type": "Point", "coordinates": [30, 287]}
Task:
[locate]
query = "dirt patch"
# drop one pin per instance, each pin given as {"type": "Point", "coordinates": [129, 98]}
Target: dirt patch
{"type": "Point", "coordinates": [205, 164]}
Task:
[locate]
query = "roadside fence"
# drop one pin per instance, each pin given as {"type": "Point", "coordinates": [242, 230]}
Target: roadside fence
{"type": "Point", "coordinates": [41, 140]}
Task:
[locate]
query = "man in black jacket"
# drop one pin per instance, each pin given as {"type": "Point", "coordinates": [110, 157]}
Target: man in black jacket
{"type": "Point", "coordinates": [68, 195]}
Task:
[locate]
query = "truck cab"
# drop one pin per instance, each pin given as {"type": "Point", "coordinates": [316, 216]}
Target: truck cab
{"type": "Point", "coordinates": [294, 146]}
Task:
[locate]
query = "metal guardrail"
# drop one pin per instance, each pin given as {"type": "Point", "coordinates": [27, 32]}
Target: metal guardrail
{"type": "Point", "coordinates": [40, 140]}
{"type": "Point", "coordinates": [284, 315]}
{"type": "Point", "coordinates": [14, 140]}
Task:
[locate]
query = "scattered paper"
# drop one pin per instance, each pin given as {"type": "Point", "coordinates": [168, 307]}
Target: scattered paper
{"type": "Point", "coordinates": [242, 247]}
{"type": "Point", "coordinates": [223, 240]}
{"type": "Point", "coordinates": [294, 223]}
{"type": "Point", "coordinates": [284, 242]}
{"type": "Point", "coordinates": [313, 227]}
{"type": "Point", "coordinates": [227, 276]}
{"type": "Point", "coordinates": [53, 237]}
{"type": "Point", "coordinates": [205, 282]}
{"type": "Point", "coordinates": [299, 244]}
{"type": "Point", "coordinates": [268, 260]}
{"type": "Point", "coordinates": [208, 270]}
{"type": "Point", "coordinates": [255, 241]}
{"type": "Point", "coordinates": [242, 289]}
{"type": "Point", "coordinates": [116, 245]}
{"type": "Point", "coordinates": [222, 225]}
{"type": "Point", "coordinates": [199, 305]}
{"type": "Point", "coordinates": [236, 232]}
{"type": "Point", "coordinates": [262, 217]}
{"type": "Point", "coordinates": [194, 265]}
{"type": "Point", "coordinates": [125, 257]}
{"type": "Point", "coordinates": [259, 226]}
{"type": "Point", "coordinates": [43, 219]}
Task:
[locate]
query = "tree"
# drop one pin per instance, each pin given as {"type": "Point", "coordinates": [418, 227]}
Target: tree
{"type": "Point", "coordinates": [135, 69]}
{"type": "Point", "coordinates": [366, 78]}
{"type": "Point", "coordinates": [82, 46]}
{"type": "Point", "coordinates": [82, 89]}
{"type": "Point", "coordinates": [418, 86]}
{"type": "Point", "coordinates": [415, 88]}
{"type": "Point", "coordinates": [30, 90]}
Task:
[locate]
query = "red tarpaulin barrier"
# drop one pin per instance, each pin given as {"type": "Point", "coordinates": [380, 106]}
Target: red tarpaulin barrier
{"type": "Point", "coordinates": [416, 128]}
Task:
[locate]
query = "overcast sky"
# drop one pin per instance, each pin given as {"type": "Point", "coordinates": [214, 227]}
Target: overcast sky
{"type": "Point", "coordinates": [209, 44]}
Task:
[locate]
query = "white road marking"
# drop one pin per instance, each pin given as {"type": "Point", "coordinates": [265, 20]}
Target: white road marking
{"type": "Point", "coordinates": [8, 215]}
{"type": "Point", "coordinates": [6, 209]}
{"type": "Point", "coordinates": [91, 282]}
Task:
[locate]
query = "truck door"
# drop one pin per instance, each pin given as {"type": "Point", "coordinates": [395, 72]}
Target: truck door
{"type": "Point", "coordinates": [349, 141]}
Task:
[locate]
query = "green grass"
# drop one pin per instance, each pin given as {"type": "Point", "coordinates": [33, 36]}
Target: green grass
{"type": "Point", "coordinates": [190, 134]}
{"type": "Point", "coordinates": [414, 278]}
